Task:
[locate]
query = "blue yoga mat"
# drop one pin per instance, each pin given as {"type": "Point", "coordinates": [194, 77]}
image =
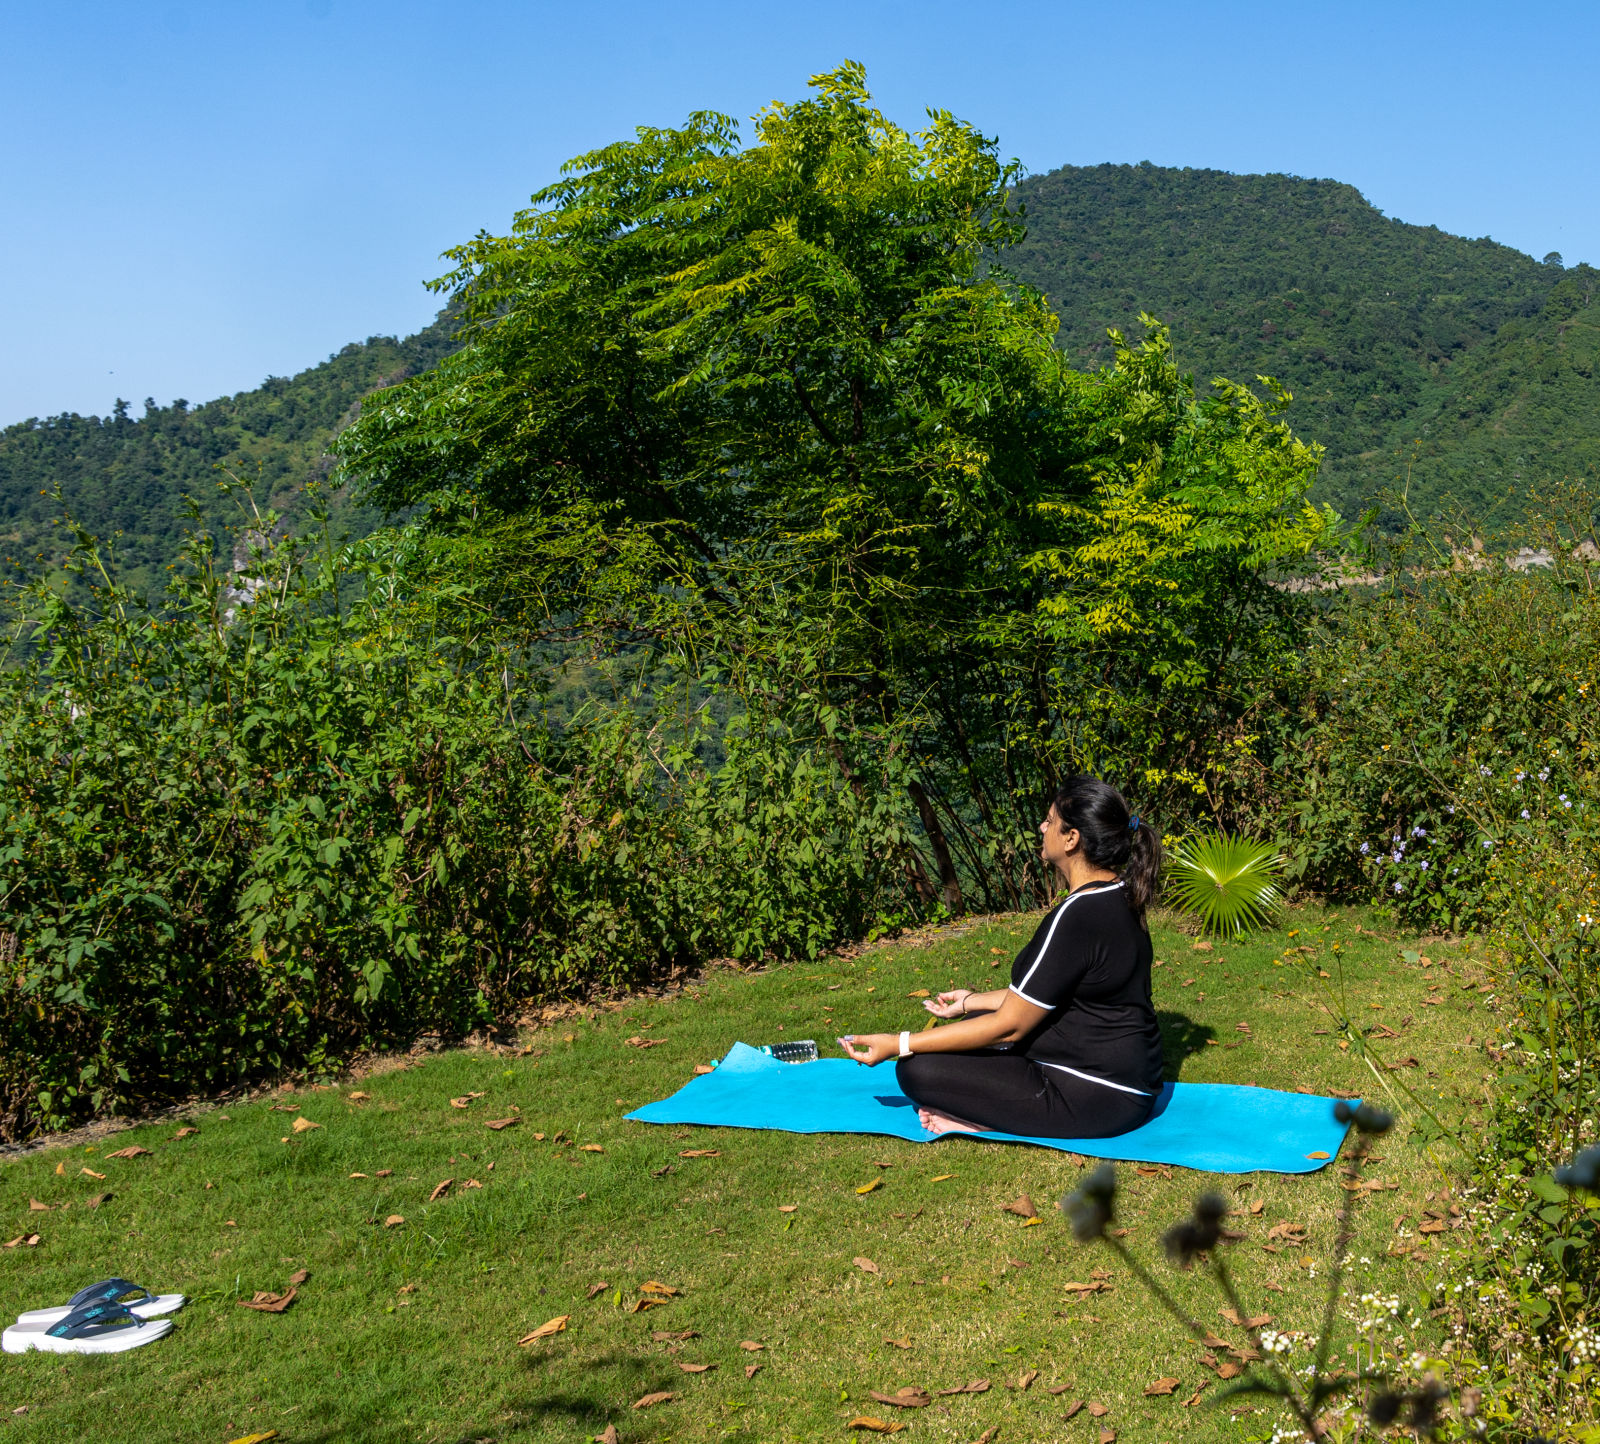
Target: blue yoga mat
{"type": "Point", "coordinates": [1216, 1127]}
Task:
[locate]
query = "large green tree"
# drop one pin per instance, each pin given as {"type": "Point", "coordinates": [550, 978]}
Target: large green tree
{"type": "Point", "coordinates": [773, 408]}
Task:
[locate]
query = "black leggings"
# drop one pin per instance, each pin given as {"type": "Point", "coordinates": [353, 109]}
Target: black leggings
{"type": "Point", "coordinates": [1013, 1094]}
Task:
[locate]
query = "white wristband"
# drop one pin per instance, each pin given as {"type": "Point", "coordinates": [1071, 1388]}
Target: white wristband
{"type": "Point", "coordinates": [905, 1043]}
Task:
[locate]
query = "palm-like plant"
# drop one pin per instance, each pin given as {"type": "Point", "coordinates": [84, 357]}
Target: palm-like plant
{"type": "Point", "coordinates": [1229, 883]}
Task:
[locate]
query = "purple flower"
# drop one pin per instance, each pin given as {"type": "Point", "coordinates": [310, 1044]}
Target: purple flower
{"type": "Point", "coordinates": [1424, 866]}
{"type": "Point", "coordinates": [1394, 857]}
{"type": "Point", "coordinates": [1399, 887]}
{"type": "Point", "coordinates": [1488, 842]}
{"type": "Point", "coordinates": [1366, 847]}
{"type": "Point", "coordinates": [1525, 812]}
{"type": "Point", "coordinates": [1419, 832]}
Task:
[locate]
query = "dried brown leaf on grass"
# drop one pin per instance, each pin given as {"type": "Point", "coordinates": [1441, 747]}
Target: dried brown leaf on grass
{"type": "Point", "coordinates": [751, 1346]}
{"type": "Point", "coordinates": [868, 1424]}
{"type": "Point", "coordinates": [34, 1206]}
{"type": "Point", "coordinates": [992, 1432]}
{"type": "Point", "coordinates": [1161, 1386]}
{"type": "Point", "coordinates": [89, 1173]}
{"type": "Point", "coordinates": [696, 1368]}
{"type": "Point", "coordinates": [24, 1240]}
{"type": "Point", "coordinates": [638, 1306]}
{"type": "Point", "coordinates": [590, 1148]}
{"type": "Point", "coordinates": [869, 1187]}
{"type": "Point", "coordinates": [649, 1401]}
{"type": "Point", "coordinates": [298, 1277]}
{"type": "Point", "coordinates": [184, 1133]}
{"type": "Point", "coordinates": [977, 1386]}
{"type": "Point", "coordinates": [609, 1437]}
{"type": "Point", "coordinates": [1026, 1381]}
{"type": "Point", "coordinates": [1073, 1408]}
{"type": "Point", "coordinates": [304, 1125]}
{"type": "Point", "coordinates": [440, 1189]}
{"type": "Point", "coordinates": [1022, 1207]}
{"type": "Point", "coordinates": [131, 1151]}
{"type": "Point", "coordinates": [904, 1343]}
{"type": "Point", "coordinates": [1108, 1436]}
{"type": "Point", "coordinates": [394, 1220]}
{"type": "Point", "coordinates": [655, 1286]}
{"type": "Point", "coordinates": [1254, 1322]}
{"type": "Point", "coordinates": [498, 1123]}
{"type": "Point", "coordinates": [384, 1173]}
{"type": "Point", "coordinates": [359, 1097]}
{"type": "Point", "coordinates": [598, 1288]}
{"type": "Point", "coordinates": [1099, 1411]}
{"type": "Point", "coordinates": [787, 1207]}
{"type": "Point", "coordinates": [866, 1265]}
{"type": "Point", "coordinates": [751, 1370]}
{"type": "Point", "coordinates": [909, 1397]}
{"type": "Point", "coordinates": [701, 1153]}
{"type": "Point", "coordinates": [1194, 1398]}
{"type": "Point", "coordinates": [265, 1303]}
{"type": "Point", "coordinates": [465, 1100]}
{"type": "Point", "coordinates": [556, 1325]}
{"type": "Point", "coordinates": [98, 1199]}
{"type": "Point", "coordinates": [662, 1336]}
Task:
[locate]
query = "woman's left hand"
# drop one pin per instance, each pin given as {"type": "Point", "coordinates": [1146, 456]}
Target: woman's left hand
{"type": "Point", "coordinates": [871, 1048]}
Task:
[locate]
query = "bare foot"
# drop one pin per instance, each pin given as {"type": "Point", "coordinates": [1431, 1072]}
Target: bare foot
{"type": "Point", "coordinates": [942, 1123]}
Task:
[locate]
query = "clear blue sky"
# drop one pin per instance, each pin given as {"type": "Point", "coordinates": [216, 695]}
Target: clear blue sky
{"type": "Point", "coordinates": [200, 195]}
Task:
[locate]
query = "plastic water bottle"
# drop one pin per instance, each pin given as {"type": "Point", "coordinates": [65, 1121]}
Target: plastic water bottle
{"type": "Point", "coordinates": [800, 1050]}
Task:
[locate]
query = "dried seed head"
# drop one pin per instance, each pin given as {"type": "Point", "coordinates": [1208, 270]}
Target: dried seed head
{"type": "Point", "coordinates": [1092, 1204]}
{"type": "Point", "coordinates": [1367, 1119]}
{"type": "Point", "coordinates": [1583, 1171]}
{"type": "Point", "coordinates": [1383, 1409]}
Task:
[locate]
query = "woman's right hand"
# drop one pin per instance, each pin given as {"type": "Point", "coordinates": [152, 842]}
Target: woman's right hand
{"type": "Point", "coordinates": [949, 1005]}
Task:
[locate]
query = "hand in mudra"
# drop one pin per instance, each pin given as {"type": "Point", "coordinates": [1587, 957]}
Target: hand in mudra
{"type": "Point", "coordinates": [949, 1005]}
{"type": "Point", "coordinates": [871, 1048]}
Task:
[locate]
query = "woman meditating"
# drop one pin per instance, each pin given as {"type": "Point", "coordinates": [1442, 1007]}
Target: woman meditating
{"type": "Point", "coordinates": [1072, 1048]}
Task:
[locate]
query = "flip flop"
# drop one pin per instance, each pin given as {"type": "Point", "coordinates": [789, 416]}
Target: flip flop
{"type": "Point", "coordinates": [95, 1328]}
{"type": "Point", "coordinates": [139, 1302]}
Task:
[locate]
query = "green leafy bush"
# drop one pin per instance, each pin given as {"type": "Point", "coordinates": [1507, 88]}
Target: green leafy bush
{"type": "Point", "coordinates": [241, 835]}
{"type": "Point", "coordinates": [1453, 744]}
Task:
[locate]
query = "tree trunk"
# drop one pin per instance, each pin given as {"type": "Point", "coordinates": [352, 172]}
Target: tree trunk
{"type": "Point", "coordinates": [949, 882]}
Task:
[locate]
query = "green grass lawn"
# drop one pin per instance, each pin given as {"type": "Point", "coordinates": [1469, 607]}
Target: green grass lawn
{"type": "Point", "coordinates": [409, 1332]}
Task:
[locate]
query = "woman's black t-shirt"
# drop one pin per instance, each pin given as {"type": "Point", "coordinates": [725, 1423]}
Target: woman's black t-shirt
{"type": "Point", "coordinates": [1089, 964]}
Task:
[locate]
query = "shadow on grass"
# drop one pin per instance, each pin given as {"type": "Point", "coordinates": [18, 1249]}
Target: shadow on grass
{"type": "Point", "coordinates": [1181, 1037]}
{"type": "Point", "coordinates": [589, 1407]}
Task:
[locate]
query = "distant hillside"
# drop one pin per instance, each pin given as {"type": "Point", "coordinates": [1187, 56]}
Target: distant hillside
{"type": "Point", "coordinates": [1520, 411]}
{"type": "Point", "coordinates": [1369, 321]}
{"type": "Point", "coordinates": [129, 475]}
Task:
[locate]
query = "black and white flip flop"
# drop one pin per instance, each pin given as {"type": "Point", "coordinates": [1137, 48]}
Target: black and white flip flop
{"type": "Point", "coordinates": [138, 1301]}
{"type": "Point", "coordinates": [93, 1328]}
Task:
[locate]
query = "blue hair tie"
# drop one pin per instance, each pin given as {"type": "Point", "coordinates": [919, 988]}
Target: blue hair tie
{"type": "Point", "coordinates": [1133, 823]}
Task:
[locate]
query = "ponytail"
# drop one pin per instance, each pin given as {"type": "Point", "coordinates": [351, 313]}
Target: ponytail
{"type": "Point", "coordinates": [1113, 837]}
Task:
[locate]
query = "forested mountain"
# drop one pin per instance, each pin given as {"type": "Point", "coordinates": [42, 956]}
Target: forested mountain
{"type": "Point", "coordinates": [1385, 332]}
{"type": "Point", "coordinates": [1466, 362]}
{"type": "Point", "coordinates": [129, 474]}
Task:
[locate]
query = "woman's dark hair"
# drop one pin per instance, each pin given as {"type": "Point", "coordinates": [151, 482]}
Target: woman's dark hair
{"type": "Point", "coordinates": [1112, 836]}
